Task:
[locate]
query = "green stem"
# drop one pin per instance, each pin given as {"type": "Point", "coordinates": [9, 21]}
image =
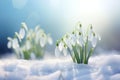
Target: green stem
{"type": "Point", "coordinates": [89, 54]}
{"type": "Point", "coordinates": [76, 54]}
{"type": "Point", "coordinates": [72, 55]}
{"type": "Point", "coordinates": [85, 55]}
{"type": "Point", "coordinates": [81, 54]}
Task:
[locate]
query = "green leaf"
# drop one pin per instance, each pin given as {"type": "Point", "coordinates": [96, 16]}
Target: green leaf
{"type": "Point", "coordinates": [76, 54]}
{"type": "Point", "coordinates": [89, 54]}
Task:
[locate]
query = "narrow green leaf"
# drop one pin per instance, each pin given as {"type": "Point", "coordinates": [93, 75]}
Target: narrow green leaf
{"type": "Point", "coordinates": [76, 54]}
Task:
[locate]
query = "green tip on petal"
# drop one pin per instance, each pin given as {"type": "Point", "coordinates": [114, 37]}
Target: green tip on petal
{"type": "Point", "coordinates": [66, 36]}
{"type": "Point", "coordinates": [91, 26]}
{"type": "Point", "coordinates": [80, 33]}
{"type": "Point", "coordinates": [57, 44]}
{"type": "Point", "coordinates": [73, 32]}
{"type": "Point", "coordinates": [80, 25]}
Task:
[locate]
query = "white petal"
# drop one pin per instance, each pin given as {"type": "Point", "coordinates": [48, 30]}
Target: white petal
{"type": "Point", "coordinates": [65, 51]}
{"type": "Point", "coordinates": [80, 41]}
{"type": "Point", "coordinates": [18, 36]}
{"type": "Point", "coordinates": [94, 42]}
{"type": "Point", "coordinates": [9, 45]}
{"type": "Point", "coordinates": [61, 45]}
{"type": "Point", "coordinates": [24, 26]}
{"type": "Point", "coordinates": [42, 41]}
{"type": "Point", "coordinates": [99, 38]}
{"type": "Point", "coordinates": [68, 42]}
{"type": "Point", "coordinates": [37, 28]}
{"type": "Point", "coordinates": [57, 52]}
{"type": "Point", "coordinates": [15, 43]}
{"type": "Point", "coordinates": [22, 33]}
{"type": "Point", "coordinates": [9, 38]}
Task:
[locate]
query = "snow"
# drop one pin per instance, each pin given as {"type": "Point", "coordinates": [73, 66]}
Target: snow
{"type": "Point", "coordinates": [100, 67]}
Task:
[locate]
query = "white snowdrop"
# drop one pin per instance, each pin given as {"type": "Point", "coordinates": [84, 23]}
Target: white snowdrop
{"type": "Point", "coordinates": [65, 51]}
{"type": "Point", "coordinates": [25, 41]}
{"type": "Point", "coordinates": [61, 46]}
{"type": "Point", "coordinates": [73, 39]}
{"type": "Point", "coordinates": [90, 33]}
{"type": "Point", "coordinates": [37, 28]}
{"type": "Point", "coordinates": [80, 40]}
{"type": "Point", "coordinates": [94, 41]}
{"type": "Point", "coordinates": [18, 36]}
{"type": "Point", "coordinates": [67, 41]}
{"type": "Point", "coordinates": [24, 26]}
{"type": "Point", "coordinates": [15, 43]}
{"type": "Point", "coordinates": [9, 38]}
{"type": "Point", "coordinates": [79, 27]}
{"type": "Point", "coordinates": [22, 33]}
{"type": "Point", "coordinates": [43, 41]}
{"type": "Point", "coordinates": [9, 44]}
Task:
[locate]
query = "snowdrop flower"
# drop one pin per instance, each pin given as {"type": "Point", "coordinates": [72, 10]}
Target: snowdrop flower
{"type": "Point", "coordinates": [79, 27]}
{"type": "Point", "coordinates": [15, 43]}
{"type": "Point", "coordinates": [28, 36]}
{"type": "Point", "coordinates": [61, 45]}
{"type": "Point", "coordinates": [43, 40]}
{"type": "Point", "coordinates": [73, 38]}
{"type": "Point", "coordinates": [78, 44]}
{"type": "Point", "coordinates": [57, 50]}
{"type": "Point", "coordinates": [24, 26]}
{"type": "Point", "coordinates": [65, 51]}
{"type": "Point", "coordinates": [22, 33]}
{"type": "Point", "coordinates": [67, 41]}
{"type": "Point", "coordinates": [29, 42]}
{"type": "Point", "coordinates": [90, 32]}
{"type": "Point", "coordinates": [9, 44]}
{"type": "Point", "coordinates": [95, 39]}
{"type": "Point", "coordinates": [80, 40]}
{"type": "Point", "coordinates": [37, 28]}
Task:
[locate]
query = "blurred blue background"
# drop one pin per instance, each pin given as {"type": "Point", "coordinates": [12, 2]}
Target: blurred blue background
{"type": "Point", "coordinates": [59, 16]}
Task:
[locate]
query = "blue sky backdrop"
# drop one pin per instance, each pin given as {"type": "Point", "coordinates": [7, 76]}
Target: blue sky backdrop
{"type": "Point", "coordinates": [59, 16]}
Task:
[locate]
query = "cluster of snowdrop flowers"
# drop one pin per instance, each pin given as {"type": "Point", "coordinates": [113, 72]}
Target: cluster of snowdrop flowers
{"type": "Point", "coordinates": [29, 43]}
{"type": "Point", "coordinates": [80, 44]}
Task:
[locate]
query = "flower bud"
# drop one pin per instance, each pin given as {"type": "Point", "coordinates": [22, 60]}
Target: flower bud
{"type": "Point", "coordinates": [80, 33]}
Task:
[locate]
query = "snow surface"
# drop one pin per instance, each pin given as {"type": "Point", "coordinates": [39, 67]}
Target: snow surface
{"type": "Point", "coordinates": [102, 67]}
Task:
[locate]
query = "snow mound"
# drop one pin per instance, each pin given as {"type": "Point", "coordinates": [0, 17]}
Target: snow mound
{"type": "Point", "coordinates": [102, 67]}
